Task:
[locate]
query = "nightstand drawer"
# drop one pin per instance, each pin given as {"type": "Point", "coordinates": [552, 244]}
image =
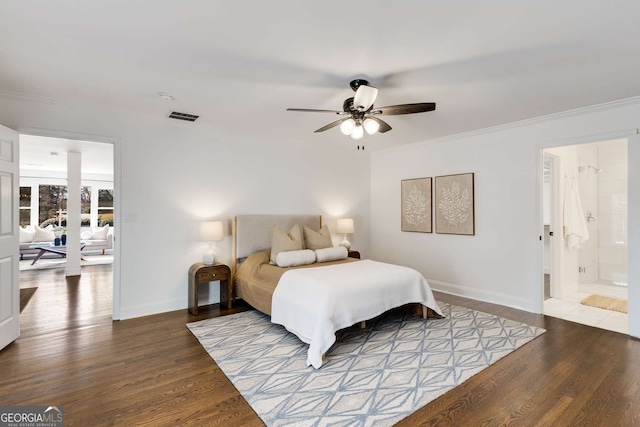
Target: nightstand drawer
{"type": "Point", "coordinates": [210, 276]}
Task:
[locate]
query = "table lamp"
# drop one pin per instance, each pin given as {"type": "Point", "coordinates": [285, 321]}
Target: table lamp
{"type": "Point", "coordinates": [344, 227]}
{"type": "Point", "coordinates": [210, 231]}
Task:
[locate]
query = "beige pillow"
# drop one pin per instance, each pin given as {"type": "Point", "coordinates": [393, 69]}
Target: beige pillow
{"type": "Point", "coordinates": [282, 241]}
{"type": "Point", "coordinates": [44, 234]}
{"type": "Point", "coordinates": [317, 240]}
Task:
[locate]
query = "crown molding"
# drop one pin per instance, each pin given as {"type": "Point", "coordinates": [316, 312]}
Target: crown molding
{"type": "Point", "coordinates": [635, 100]}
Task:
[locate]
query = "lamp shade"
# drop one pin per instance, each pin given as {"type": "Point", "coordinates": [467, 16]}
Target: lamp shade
{"type": "Point", "coordinates": [357, 132]}
{"type": "Point", "coordinates": [371, 126]}
{"type": "Point", "coordinates": [345, 226]}
{"type": "Point", "coordinates": [211, 231]}
{"type": "Point", "coordinates": [347, 126]}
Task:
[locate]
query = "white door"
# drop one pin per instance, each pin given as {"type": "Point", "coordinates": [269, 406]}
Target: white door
{"type": "Point", "coordinates": [9, 237]}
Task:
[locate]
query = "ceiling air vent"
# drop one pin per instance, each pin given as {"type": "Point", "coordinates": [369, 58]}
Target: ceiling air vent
{"type": "Point", "coordinates": [183, 116]}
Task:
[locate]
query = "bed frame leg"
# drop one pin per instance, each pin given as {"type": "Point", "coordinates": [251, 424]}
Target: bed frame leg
{"type": "Point", "coordinates": [424, 312]}
{"type": "Point", "coordinates": [324, 357]}
{"type": "Point", "coordinates": [363, 324]}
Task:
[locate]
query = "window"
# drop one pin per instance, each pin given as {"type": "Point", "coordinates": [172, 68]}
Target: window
{"type": "Point", "coordinates": [85, 206]}
{"type": "Point", "coordinates": [53, 205]}
{"type": "Point", "coordinates": [105, 207]}
{"type": "Point", "coordinates": [25, 206]}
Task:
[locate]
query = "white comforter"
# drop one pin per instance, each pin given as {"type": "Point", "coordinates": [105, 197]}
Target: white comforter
{"type": "Point", "coordinates": [314, 303]}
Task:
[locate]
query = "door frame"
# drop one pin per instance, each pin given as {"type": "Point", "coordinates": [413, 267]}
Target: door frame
{"type": "Point", "coordinates": [555, 225]}
{"type": "Point", "coordinates": [117, 186]}
{"type": "Point", "coordinates": [633, 137]}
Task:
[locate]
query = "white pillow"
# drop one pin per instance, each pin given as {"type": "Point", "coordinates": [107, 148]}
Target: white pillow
{"type": "Point", "coordinates": [86, 235]}
{"type": "Point", "coordinates": [26, 234]}
{"type": "Point", "coordinates": [331, 254]}
{"type": "Point", "coordinates": [44, 234]}
{"type": "Point", "coordinates": [100, 233]}
{"type": "Point", "coordinates": [295, 258]}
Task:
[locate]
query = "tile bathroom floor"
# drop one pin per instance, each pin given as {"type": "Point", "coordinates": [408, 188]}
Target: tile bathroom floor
{"type": "Point", "coordinates": [569, 308]}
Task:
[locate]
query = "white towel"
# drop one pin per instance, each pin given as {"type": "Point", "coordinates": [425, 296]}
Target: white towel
{"type": "Point", "coordinates": [573, 221]}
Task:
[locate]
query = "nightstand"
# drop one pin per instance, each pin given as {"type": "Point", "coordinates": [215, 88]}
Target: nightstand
{"type": "Point", "coordinates": [204, 273]}
{"type": "Point", "coordinates": [354, 254]}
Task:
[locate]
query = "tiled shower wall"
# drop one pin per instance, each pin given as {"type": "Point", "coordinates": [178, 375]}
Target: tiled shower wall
{"type": "Point", "coordinates": [604, 196]}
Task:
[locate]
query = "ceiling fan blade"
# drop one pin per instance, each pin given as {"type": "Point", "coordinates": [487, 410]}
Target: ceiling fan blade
{"type": "Point", "coordinates": [311, 110]}
{"type": "Point", "coordinates": [364, 97]}
{"type": "Point", "coordinates": [394, 110]}
{"type": "Point", "coordinates": [332, 125]}
{"type": "Point", "coordinates": [384, 126]}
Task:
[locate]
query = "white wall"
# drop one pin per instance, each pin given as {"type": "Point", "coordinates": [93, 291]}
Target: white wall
{"type": "Point", "coordinates": [173, 175]}
{"type": "Point", "coordinates": [502, 262]}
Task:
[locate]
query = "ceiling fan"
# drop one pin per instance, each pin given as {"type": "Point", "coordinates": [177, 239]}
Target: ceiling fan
{"type": "Point", "coordinates": [361, 115]}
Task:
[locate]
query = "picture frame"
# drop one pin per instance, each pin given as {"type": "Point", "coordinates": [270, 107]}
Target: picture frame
{"type": "Point", "coordinates": [454, 204]}
{"type": "Point", "coordinates": [416, 205]}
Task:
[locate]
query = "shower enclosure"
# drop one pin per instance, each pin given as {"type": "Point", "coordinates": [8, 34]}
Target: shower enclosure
{"type": "Point", "coordinates": [602, 178]}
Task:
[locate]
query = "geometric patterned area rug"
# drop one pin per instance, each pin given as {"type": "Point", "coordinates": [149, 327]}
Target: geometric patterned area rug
{"type": "Point", "coordinates": [607, 303]}
{"type": "Point", "coordinates": [372, 376]}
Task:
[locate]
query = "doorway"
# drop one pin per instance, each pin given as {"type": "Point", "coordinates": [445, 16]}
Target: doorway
{"type": "Point", "coordinates": [592, 262]}
{"type": "Point", "coordinates": [42, 216]}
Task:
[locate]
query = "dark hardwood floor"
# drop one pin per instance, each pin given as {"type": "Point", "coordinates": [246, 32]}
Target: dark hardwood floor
{"type": "Point", "coordinates": [152, 371]}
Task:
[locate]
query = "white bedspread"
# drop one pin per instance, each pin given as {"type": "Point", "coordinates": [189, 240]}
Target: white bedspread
{"type": "Point", "coordinates": [314, 303]}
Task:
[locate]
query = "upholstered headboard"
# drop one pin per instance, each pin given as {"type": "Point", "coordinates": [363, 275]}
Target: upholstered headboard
{"type": "Point", "coordinates": [252, 233]}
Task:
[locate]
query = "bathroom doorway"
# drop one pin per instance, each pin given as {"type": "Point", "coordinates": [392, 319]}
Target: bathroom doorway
{"type": "Point", "coordinates": [591, 246]}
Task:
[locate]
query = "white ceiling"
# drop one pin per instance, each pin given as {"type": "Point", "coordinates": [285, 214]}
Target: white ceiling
{"type": "Point", "coordinates": [240, 64]}
{"type": "Point", "coordinates": [50, 154]}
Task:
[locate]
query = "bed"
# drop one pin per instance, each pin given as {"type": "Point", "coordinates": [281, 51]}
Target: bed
{"type": "Point", "coordinates": [314, 301]}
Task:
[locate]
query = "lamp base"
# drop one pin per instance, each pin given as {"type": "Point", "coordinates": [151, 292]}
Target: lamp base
{"type": "Point", "coordinates": [209, 256]}
{"type": "Point", "coordinates": [345, 242]}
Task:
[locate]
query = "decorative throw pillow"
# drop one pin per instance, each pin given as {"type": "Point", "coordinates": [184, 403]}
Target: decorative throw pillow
{"type": "Point", "coordinates": [282, 241]}
{"type": "Point", "coordinates": [100, 233]}
{"type": "Point", "coordinates": [44, 234]}
{"type": "Point", "coordinates": [86, 235]}
{"type": "Point", "coordinates": [26, 234]}
{"type": "Point", "coordinates": [317, 239]}
{"type": "Point", "coordinates": [331, 254]}
{"type": "Point", "coordinates": [295, 258]}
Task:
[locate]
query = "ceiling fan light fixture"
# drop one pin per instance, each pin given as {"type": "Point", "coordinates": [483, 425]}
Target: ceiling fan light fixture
{"type": "Point", "coordinates": [371, 126]}
{"type": "Point", "coordinates": [365, 97]}
{"type": "Point", "coordinates": [347, 126]}
{"type": "Point", "coordinates": [357, 132]}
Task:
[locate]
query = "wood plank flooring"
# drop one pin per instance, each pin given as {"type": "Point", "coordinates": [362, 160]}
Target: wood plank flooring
{"type": "Point", "coordinates": [152, 371]}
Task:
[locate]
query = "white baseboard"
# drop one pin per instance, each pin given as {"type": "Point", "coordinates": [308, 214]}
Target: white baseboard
{"type": "Point", "coordinates": [484, 296]}
{"type": "Point", "coordinates": [147, 310]}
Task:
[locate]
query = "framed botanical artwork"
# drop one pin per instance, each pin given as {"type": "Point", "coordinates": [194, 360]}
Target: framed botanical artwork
{"type": "Point", "coordinates": [416, 205]}
{"type": "Point", "coordinates": [454, 204]}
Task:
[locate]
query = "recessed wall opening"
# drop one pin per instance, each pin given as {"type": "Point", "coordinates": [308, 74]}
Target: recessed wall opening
{"type": "Point", "coordinates": [585, 215]}
{"type": "Point", "coordinates": [56, 176]}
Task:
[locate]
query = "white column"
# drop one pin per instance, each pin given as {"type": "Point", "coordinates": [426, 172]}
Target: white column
{"type": "Point", "coordinates": [35, 204]}
{"type": "Point", "coordinates": [94, 205]}
{"type": "Point", "coordinates": [74, 164]}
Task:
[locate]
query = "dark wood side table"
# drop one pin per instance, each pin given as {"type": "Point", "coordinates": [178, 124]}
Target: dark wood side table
{"type": "Point", "coordinates": [354, 254]}
{"type": "Point", "coordinates": [205, 273]}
